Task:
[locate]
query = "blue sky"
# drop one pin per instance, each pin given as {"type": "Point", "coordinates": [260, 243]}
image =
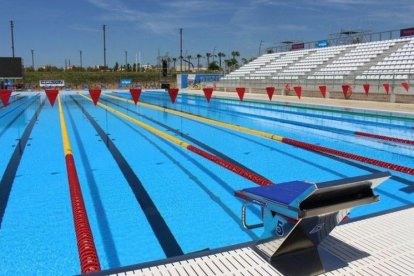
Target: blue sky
{"type": "Point", "coordinates": [57, 29]}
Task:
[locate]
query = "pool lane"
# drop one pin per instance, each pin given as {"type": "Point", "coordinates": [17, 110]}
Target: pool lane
{"type": "Point", "coordinates": [159, 227]}
{"type": "Point", "coordinates": [89, 260]}
{"type": "Point", "coordinates": [37, 228]}
{"type": "Point", "coordinates": [10, 172]}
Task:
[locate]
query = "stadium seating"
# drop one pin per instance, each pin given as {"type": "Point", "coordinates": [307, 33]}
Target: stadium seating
{"type": "Point", "coordinates": [387, 59]}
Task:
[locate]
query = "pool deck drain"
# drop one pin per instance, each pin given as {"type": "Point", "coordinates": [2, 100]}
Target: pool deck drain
{"type": "Point", "coordinates": [380, 245]}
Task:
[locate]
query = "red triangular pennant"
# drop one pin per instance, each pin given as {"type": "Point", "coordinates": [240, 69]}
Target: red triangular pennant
{"type": "Point", "coordinates": [135, 94]}
{"type": "Point", "coordinates": [346, 90]}
{"type": "Point", "coordinates": [5, 96]}
{"type": "Point", "coordinates": [95, 94]}
{"type": "Point", "coordinates": [173, 94]}
{"type": "Point", "coordinates": [386, 87]}
{"type": "Point", "coordinates": [51, 95]}
{"type": "Point", "coordinates": [240, 91]}
{"type": "Point", "coordinates": [208, 92]}
{"type": "Point", "coordinates": [366, 88]}
{"type": "Point", "coordinates": [406, 86]}
{"type": "Point", "coordinates": [322, 88]}
{"type": "Point", "coordinates": [298, 91]}
{"type": "Point", "coordinates": [270, 91]}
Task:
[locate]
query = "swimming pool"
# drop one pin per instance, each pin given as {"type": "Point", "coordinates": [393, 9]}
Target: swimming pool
{"type": "Point", "coordinates": [117, 160]}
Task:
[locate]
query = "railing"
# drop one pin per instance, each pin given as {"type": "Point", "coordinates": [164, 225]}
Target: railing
{"type": "Point", "coordinates": [358, 37]}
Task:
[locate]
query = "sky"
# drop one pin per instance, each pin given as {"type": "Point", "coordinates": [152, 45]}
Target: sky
{"type": "Point", "coordinates": [59, 29]}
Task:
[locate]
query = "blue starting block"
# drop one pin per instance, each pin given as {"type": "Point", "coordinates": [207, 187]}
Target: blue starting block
{"type": "Point", "coordinates": [298, 215]}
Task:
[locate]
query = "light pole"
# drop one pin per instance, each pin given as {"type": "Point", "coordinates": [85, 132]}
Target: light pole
{"type": "Point", "coordinates": [214, 54]}
{"type": "Point", "coordinates": [126, 60]}
{"type": "Point", "coordinates": [12, 35]}
{"type": "Point", "coordinates": [104, 44]}
{"type": "Point", "coordinates": [260, 47]}
{"type": "Point", "coordinates": [32, 59]}
{"type": "Point", "coordinates": [181, 49]}
{"type": "Point", "coordinates": [80, 58]}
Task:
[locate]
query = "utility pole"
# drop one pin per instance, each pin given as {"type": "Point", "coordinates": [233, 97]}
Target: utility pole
{"type": "Point", "coordinates": [260, 47]}
{"type": "Point", "coordinates": [80, 57]}
{"type": "Point", "coordinates": [136, 62]}
{"type": "Point", "coordinates": [181, 49]}
{"type": "Point", "coordinates": [32, 59]}
{"type": "Point", "coordinates": [139, 61]}
{"type": "Point", "coordinates": [126, 60]}
{"type": "Point", "coordinates": [104, 44]}
{"type": "Point", "coordinates": [12, 35]}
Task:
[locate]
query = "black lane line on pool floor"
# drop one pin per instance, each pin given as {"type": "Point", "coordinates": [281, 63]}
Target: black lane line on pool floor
{"type": "Point", "coordinates": [17, 116]}
{"type": "Point", "coordinates": [189, 138]}
{"type": "Point", "coordinates": [101, 217]}
{"type": "Point", "coordinates": [11, 169]}
{"type": "Point", "coordinates": [160, 228]}
{"type": "Point", "coordinates": [216, 199]}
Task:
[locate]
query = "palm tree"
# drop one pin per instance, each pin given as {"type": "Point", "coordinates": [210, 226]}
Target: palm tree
{"type": "Point", "coordinates": [208, 56]}
{"type": "Point", "coordinates": [235, 54]}
{"type": "Point", "coordinates": [198, 56]}
{"type": "Point", "coordinates": [220, 56]}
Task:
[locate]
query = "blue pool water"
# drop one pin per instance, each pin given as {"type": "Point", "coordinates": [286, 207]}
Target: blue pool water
{"type": "Point", "coordinates": [194, 196]}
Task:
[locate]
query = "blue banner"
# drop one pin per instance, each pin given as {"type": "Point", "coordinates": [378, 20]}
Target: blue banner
{"type": "Point", "coordinates": [125, 82]}
{"type": "Point", "coordinates": [322, 43]}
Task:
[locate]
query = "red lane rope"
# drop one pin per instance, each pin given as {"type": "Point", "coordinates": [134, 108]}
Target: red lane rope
{"type": "Point", "coordinates": [348, 155]}
{"type": "Point", "coordinates": [230, 166]}
{"type": "Point", "coordinates": [86, 246]}
{"type": "Point", "coordinates": [383, 137]}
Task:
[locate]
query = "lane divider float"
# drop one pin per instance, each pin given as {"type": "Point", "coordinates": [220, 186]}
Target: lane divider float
{"type": "Point", "coordinates": [220, 161]}
{"type": "Point", "coordinates": [86, 246]}
{"type": "Point", "coordinates": [383, 137]}
{"type": "Point", "coordinates": [278, 138]}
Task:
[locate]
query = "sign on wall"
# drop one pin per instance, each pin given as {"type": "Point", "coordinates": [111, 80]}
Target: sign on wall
{"type": "Point", "coordinates": [51, 83]}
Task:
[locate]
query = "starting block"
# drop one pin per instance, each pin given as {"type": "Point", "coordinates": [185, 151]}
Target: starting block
{"type": "Point", "coordinates": [298, 215]}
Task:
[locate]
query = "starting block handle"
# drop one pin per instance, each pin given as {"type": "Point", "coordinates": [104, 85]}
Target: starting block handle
{"type": "Point", "coordinates": [244, 221]}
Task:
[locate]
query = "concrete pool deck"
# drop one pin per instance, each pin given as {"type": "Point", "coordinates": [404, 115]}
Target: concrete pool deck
{"type": "Point", "coordinates": [357, 104]}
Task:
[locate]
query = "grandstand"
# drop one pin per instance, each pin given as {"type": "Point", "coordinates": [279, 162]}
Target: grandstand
{"type": "Point", "coordinates": [388, 61]}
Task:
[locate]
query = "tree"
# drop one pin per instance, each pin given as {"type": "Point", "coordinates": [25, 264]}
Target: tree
{"type": "Point", "coordinates": [116, 67]}
{"type": "Point", "coordinates": [231, 63]}
{"type": "Point", "coordinates": [208, 56]}
{"type": "Point", "coordinates": [244, 61]}
{"type": "Point", "coordinates": [213, 66]}
{"type": "Point", "coordinates": [220, 56]}
{"type": "Point", "coordinates": [235, 54]}
{"type": "Point", "coordinates": [198, 56]}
